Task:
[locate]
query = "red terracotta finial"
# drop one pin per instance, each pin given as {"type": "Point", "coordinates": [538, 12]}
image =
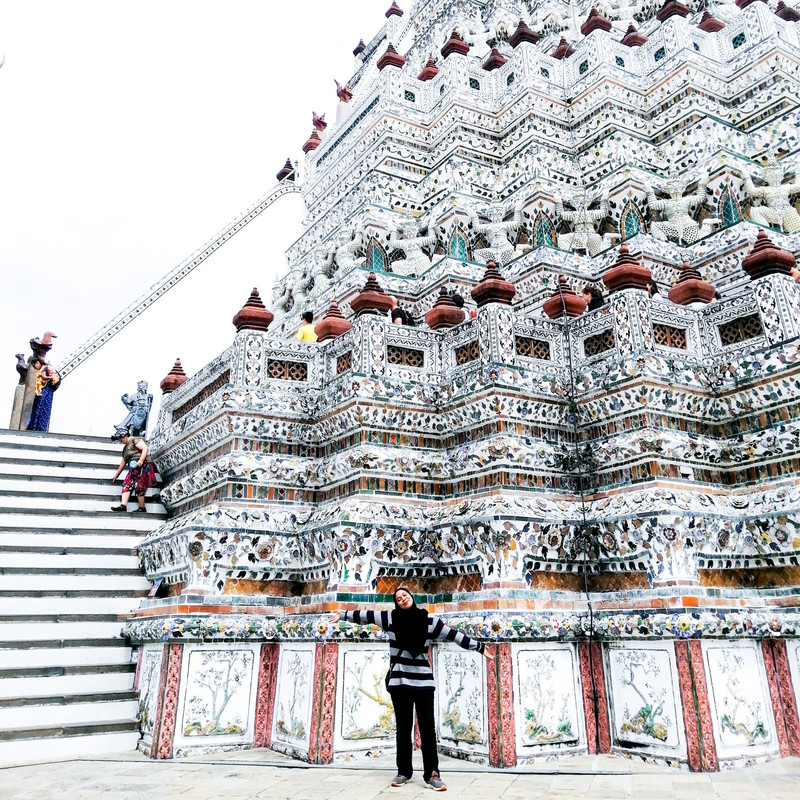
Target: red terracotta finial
{"type": "Point", "coordinates": [360, 48]}
{"type": "Point", "coordinates": [394, 11]}
{"type": "Point", "coordinates": [455, 44]}
{"type": "Point", "coordinates": [445, 313]}
{"type": "Point", "coordinates": [745, 3]}
{"type": "Point", "coordinates": [391, 58]}
{"type": "Point", "coordinates": [287, 171]}
{"type": "Point", "coordinates": [710, 24]}
{"type": "Point", "coordinates": [174, 378]}
{"type": "Point", "coordinates": [496, 59]}
{"type": "Point", "coordinates": [672, 8]}
{"type": "Point", "coordinates": [787, 13]}
{"type": "Point", "coordinates": [690, 287]}
{"type": "Point", "coordinates": [493, 288]}
{"type": "Point", "coordinates": [430, 70]}
{"type": "Point", "coordinates": [313, 142]}
{"type": "Point", "coordinates": [343, 92]}
{"type": "Point", "coordinates": [253, 316]}
{"type": "Point", "coordinates": [766, 258]}
{"type": "Point", "coordinates": [595, 22]}
{"type": "Point", "coordinates": [371, 299]}
{"type": "Point", "coordinates": [563, 50]}
{"type": "Point", "coordinates": [522, 34]}
{"type": "Point", "coordinates": [333, 324]}
{"type": "Point", "coordinates": [318, 122]}
{"type": "Point", "coordinates": [564, 301]}
{"type": "Point", "coordinates": [632, 37]}
{"type": "Point", "coordinates": [628, 272]}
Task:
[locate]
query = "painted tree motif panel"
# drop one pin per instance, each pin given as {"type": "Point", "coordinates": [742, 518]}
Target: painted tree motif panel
{"type": "Point", "coordinates": [218, 696]}
{"type": "Point", "coordinates": [644, 693]}
{"type": "Point", "coordinates": [294, 695]}
{"type": "Point", "coordinates": [149, 680]}
{"type": "Point", "coordinates": [364, 707]}
{"type": "Point", "coordinates": [461, 699]}
{"type": "Point", "coordinates": [741, 710]}
{"type": "Point", "coordinates": [546, 689]}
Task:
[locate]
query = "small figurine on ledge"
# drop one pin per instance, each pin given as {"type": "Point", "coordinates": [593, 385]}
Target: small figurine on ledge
{"type": "Point", "coordinates": [138, 406]}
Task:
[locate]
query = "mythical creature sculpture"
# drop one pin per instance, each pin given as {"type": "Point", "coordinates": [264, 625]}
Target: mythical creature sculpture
{"type": "Point", "coordinates": [343, 92]}
{"type": "Point", "coordinates": [775, 196]}
{"type": "Point", "coordinates": [679, 223]}
{"type": "Point", "coordinates": [496, 232]}
{"type": "Point", "coordinates": [347, 245]}
{"type": "Point", "coordinates": [583, 220]}
{"type": "Point", "coordinates": [318, 122]}
{"type": "Point", "coordinates": [138, 406]}
{"type": "Point", "coordinates": [415, 261]}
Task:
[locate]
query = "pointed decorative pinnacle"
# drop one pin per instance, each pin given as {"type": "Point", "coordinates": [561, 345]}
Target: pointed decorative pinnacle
{"type": "Point", "coordinates": [371, 299]}
{"type": "Point", "coordinates": [563, 50]}
{"type": "Point", "coordinates": [333, 324]}
{"type": "Point", "coordinates": [672, 8]}
{"type": "Point", "coordinates": [174, 379]}
{"type": "Point", "coordinates": [430, 70]}
{"type": "Point", "coordinates": [496, 59]}
{"type": "Point", "coordinates": [690, 287]}
{"type": "Point", "coordinates": [628, 272]}
{"type": "Point", "coordinates": [745, 3]}
{"type": "Point", "coordinates": [445, 313]}
{"type": "Point", "coordinates": [595, 22]}
{"type": "Point", "coordinates": [394, 11]}
{"type": "Point", "coordinates": [522, 34]}
{"type": "Point", "coordinates": [787, 13]}
{"type": "Point", "coordinates": [455, 44]}
{"type": "Point", "coordinates": [391, 58]}
{"type": "Point", "coordinates": [313, 142]}
{"type": "Point", "coordinates": [633, 38]}
{"type": "Point", "coordinates": [253, 315]}
{"type": "Point", "coordinates": [493, 288]}
{"type": "Point", "coordinates": [360, 48]}
{"type": "Point", "coordinates": [710, 24]}
{"type": "Point", "coordinates": [564, 301]}
{"type": "Point", "coordinates": [766, 258]}
{"type": "Point", "coordinates": [287, 171]}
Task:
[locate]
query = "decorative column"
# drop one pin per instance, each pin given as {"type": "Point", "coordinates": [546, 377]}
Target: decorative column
{"type": "Point", "coordinates": [500, 700]}
{"type": "Point", "coordinates": [251, 322]}
{"type": "Point", "coordinates": [781, 692]}
{"type": "Point", "coordinates": [167, 705]}
{"type": "Point", "coordinates": [631, 309]}
{"type": "Point", "coordinates": [320, 746]}
{"type": "Point", "coordinates": [595, 703]}
{"type": "Point", "coordinates": [696, 710]}
{"type": "Point", "coordinates": [495, 321]}
{"type": "Point", "coordinates": [265, 694]}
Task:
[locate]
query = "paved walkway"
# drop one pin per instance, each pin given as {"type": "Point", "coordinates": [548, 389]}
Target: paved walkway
{"type": "Point", "coordinates": [260, 774]}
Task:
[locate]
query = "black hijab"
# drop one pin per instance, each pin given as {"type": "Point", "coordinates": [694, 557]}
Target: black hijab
{"type": "Point", "coordinates": [410, 625]}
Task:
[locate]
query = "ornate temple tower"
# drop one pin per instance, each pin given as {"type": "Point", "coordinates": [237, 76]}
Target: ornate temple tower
{"type": "Point", "coordinates": [608, 495]}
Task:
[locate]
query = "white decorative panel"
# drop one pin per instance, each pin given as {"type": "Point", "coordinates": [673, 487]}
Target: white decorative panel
{"type": "Point", "coordinates": [150, 657]}
{"type": "Point", "coordinates": [293, 697]}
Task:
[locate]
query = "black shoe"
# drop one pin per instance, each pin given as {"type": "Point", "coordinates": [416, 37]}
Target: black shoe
{"type": "Point", "coordinates": [141, 510]}
{"type": "Point", "coordinates": [120, 507]}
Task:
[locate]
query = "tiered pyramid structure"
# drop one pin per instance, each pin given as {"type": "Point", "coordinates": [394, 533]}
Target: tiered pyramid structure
{"type": "Point", "coordinates": [607, 494]}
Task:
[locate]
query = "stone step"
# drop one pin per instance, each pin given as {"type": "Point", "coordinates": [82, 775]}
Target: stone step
{"type": "Point", "coordinates": [64, 606]}
{"type": "Point", "coordinates": [30, 673]}
{"type": "Point", "coordinates": [69, 683]}
{"type": "Point", "coordinates": [52, 487]}
{"type": "Point", "coordinates": [47, 505]}
{"type": "Point", "coordinates": [35, 658]}
{"type": "Point", "coordinates": [103, 549]}
{"type": "Point", "coordinates": [110, 522]}
{"type": "Point", "coordinates": [93, 712]}
{"type": "Point", "coordinates": [31, 630]}
{"type": "Point", "coordinates": [69, 745]}
{"type": "Point", "coordinates": [11, 454]}
{"type": "Point", "coordinates": [62, 473]}
{"type": "Point", "coordinates": [63, 644]}
{"type": "Point", "coordinates": [122, 559]}
{"type": "Point", "coordinates": [68, 699]}
{"type": "Point", "coordinates": [16, 540]}
{"type": "Point", "coordinates": [98, 585]}
{"type": "Point", "coordinates": [77, 729]}
{"type": "Point", "coordinates": [57, 440]}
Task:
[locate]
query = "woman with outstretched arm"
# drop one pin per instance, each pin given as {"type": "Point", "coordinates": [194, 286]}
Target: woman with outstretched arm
{"type": "Point", "coordinates": [410, 680]}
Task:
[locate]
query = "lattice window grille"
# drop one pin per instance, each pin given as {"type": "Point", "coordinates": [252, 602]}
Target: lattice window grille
{"type": "Point", "coordinates": [659, 54]}
{"type": "Point", "coordinates": [620, 61]}
{"type": "Point", "coordinates": [583, 68]}
{"type": "Point", "coordinates": [410, 96]}
{"type": "Point", "coordinates": [545, 72]}
{"type": "Point", "coordinates": [344, 362]}
{"type": "Point", "coordinates": [599, 343]}
{"type": "Point", "coordinates": [533, 348]}
{"type": "Point", "coordinates": [287, 370]}
{"type": "Point", "coordinates": [474, 83]}
{"type": "Point", "coordinates": [405, 356]}
{"type": "Point", "coordinates": [738, 40]}
{"type": "Point", "coordinates": [740, 329]}
{"type": "Point", "coordinates": [668, 336]}
{"type": "Point", "coordinates": [467, 352]}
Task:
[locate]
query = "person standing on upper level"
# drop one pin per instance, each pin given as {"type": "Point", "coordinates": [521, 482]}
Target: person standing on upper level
{"type": "Point", "coordinates": [410, 678]}
{"type": "Point", "coordinates": [306, 332]}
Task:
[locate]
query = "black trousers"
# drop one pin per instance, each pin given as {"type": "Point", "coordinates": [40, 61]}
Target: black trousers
{"type": "Point", "coordinates": [405, 700]}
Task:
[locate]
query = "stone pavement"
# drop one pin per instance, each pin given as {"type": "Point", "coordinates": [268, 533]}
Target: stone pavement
{"type": "Point", "coordinates": [247, 775]}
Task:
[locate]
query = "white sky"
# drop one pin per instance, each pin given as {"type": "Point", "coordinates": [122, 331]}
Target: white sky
{"type": "Point", "coordinates": [130, 133]}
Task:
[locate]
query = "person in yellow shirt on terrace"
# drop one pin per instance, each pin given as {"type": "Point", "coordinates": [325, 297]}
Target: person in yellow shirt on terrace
{"type": "Point", "coordinates": [306, 332]}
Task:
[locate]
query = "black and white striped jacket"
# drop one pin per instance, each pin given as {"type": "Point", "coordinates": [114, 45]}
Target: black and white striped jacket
{"type": "Point", "coordinates": [409, 672]}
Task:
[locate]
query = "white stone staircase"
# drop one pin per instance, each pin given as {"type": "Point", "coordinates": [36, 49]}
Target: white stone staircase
{"type": "Point", "coordinates": [69, 575]}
